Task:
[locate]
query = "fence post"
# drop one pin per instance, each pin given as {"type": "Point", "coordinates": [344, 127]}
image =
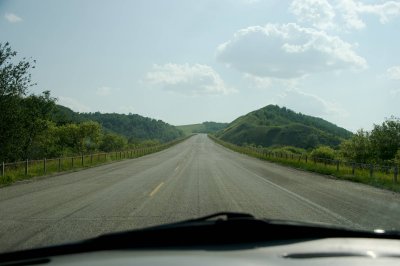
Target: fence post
{"type": "Point", "coordinates": [44, 166]}
{"type": "Point", "coordinates": [395, 173]}
{"type": "Point", "coordinates": [91, 158]}
{"type": "Point", "coordinates": [337, 165]}
{"type": "Point", "coordinates": [72, 162]}
{"type": "Point", "coordinates": [59, 164]}
{"type": "Point", "coordinates": [26, 167]}
{"type": "Point", "coordinates": [306, 158]}
{"type": "Point", "coordinates": [82, 159]}
{"type": "Point", "coordinates": [2, 170]}
{"type": "Point", "coordinates": [353, 166]}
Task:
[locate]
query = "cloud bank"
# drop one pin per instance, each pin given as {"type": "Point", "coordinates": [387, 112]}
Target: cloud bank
{"type": "Point", "coordinates": [186, 79]}
{"type": "Point", "coordinates": [287, 51]}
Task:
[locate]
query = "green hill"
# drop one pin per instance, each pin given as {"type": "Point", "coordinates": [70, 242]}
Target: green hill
{"type": "Point", "coordinates": [205, 127]}
{"type": "Point", "coordinates": [132, 126]}
{"type": "Point", "coordinates": [276, 126]}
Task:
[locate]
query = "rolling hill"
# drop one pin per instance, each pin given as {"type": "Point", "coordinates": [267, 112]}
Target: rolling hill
{"type": "Point", "coordinates": [279, 126]}
{"type": "Point", "coordinates": [132, 126]}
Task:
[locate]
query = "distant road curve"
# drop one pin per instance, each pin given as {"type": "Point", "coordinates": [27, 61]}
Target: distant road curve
{"type": "Point", "coordinates": [194, 178]}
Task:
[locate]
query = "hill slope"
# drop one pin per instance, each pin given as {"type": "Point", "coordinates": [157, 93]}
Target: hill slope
{"type": "Point", "coordinates": [205, 127]}
{"type": "Point", "coordinates": [273, 125]}
{"type": "Point", "coordinates": [131, 126]}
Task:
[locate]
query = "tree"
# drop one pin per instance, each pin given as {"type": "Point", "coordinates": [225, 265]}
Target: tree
{"type": "Point", "coordinates": [47, 143]}
{"type": "Point", "coordinates": [358, 148]}
{"type": "Point", "coordinates": [35, 116]}
{"type": "Point", "coordinates": [21, 117]}
{"type": "Point", "coordinates": [112, 142]}
{"type": "Point", "coordinates": [80, 138]}
{"type": "Point", "coordinates": [385, 139]}
{"type": "Point", "coordinates": [89, 136]}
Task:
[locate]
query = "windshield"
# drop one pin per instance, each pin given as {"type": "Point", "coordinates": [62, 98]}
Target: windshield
{"type": "Point", "coordinates": [119, 115]}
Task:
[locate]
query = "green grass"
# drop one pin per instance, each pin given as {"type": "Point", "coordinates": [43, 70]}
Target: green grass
{"type": "Point", "coordinates": [14, 172]}
{"type": "Point", "coordinates": [381, 179]}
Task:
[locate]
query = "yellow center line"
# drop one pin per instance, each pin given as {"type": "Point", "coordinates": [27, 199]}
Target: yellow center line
{"type": "Point", "coordinates": [156, 189]}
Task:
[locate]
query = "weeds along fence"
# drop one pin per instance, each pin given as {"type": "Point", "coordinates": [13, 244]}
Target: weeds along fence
{"type": "Point", "coordinates": [11, 172]}
{"type": "Point", "coordinates": [366, 173]}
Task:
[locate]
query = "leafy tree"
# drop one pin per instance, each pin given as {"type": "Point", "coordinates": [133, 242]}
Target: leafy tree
{"type": "Point", "coordinates": [385, 139]}
{"type": "Point", "coordinates": [47, 143]}
{"type": "Point", "coordinates": [79, 138]}
{"type": "Point", "coordinates": [358, 148]}
{"type": "Point", "coordinates": [21, 118]}
{"type": "Point", "coordinates": [324, 152]}
{"type": "Point", "coordinates": [89, 136]}
{"type": "Point", "coordinates": [35, 115]}
{"type": "Point", "coordinates": [112, 142]}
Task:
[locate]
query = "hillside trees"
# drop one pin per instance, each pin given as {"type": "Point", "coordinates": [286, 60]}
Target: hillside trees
{"type": "Point", "coordinates": [112, 142]}
{"type": "Point", "coordinates": [381, 145]}
{"type": "Point", "coordinates": [22, 117]}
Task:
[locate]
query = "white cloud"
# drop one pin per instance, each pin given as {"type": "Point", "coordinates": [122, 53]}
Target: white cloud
{"type": "Point", "coordinates": [319, 13]}
{"type": "Point", "coordinates": [393, 72]}
{"type": "Point", "coordinates": [270, 83]}
{"type": "Point", "coordinates": [73, 104]}
{"type": "Point", "coordinates": [105, 91]}
{"type": "Point", "coordinates": [310, 104]}
{"type": "Point", "coordinates": [188, 79]}
{"type": "Point", "coordinates": [287, 51]}
{"type": "Point", "coordinates": [385, 10]}
{"type": "Point", "coordinates": [12, 18]}
{"type": "Point", "coordinates": [342, 14]}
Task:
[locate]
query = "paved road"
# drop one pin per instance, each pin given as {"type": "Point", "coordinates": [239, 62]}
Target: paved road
{"type": "Point", "coordinates": [194, 178]}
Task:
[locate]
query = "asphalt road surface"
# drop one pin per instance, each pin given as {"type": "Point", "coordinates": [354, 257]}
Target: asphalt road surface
{"type": "Point", "coordinates": [194, 178]}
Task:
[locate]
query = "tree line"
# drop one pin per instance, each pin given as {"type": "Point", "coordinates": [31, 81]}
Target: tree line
{"type": "Point", "coordinates": [32, 126]}
{"type": "Point", "coordinates": [381, 145]}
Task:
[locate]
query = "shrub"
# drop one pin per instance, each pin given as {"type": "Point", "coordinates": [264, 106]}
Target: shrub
{"type": "Point", "coordinates": [324, 152]}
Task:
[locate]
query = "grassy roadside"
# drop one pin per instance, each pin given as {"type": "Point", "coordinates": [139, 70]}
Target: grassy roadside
{"type": "Point", "coordinates": [380, 179]}
{"type": "Point", "coordinates": [18, 171]}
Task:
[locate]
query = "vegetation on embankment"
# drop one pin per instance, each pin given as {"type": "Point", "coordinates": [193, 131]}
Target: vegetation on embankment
{"type": "Point", "coordinates": [17, 171]}
{"type": "Point", "coordinates": [325, 160]}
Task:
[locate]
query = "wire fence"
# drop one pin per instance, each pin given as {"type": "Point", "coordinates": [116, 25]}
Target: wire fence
{"type": "Point", "coordinates": [329, 166]}
{"type": "Point", "coordinates": [14, 171]}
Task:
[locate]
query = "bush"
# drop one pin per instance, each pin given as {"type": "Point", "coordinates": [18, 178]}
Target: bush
{"type": "Point", "coordinates": [324, 152]}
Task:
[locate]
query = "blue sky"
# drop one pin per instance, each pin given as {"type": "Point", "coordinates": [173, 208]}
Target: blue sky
{"type": "Point", "coordinates": [192, 61]}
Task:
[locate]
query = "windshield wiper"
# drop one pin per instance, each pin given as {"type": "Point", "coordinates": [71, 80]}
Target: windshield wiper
{"type": "Point", "coordinates": [220, 230]}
